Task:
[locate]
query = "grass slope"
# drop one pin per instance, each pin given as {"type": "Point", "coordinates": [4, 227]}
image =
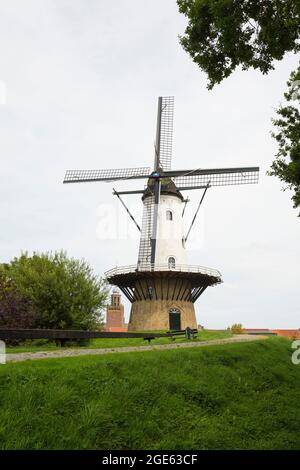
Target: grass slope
{"type": "Point", "coordinates": [237, 396]}
{"type": "Point", "coordinates": [42, 345]}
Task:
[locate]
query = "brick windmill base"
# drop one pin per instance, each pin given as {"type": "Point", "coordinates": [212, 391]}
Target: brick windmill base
{"type": "Point", "coordinates": [163, 299]}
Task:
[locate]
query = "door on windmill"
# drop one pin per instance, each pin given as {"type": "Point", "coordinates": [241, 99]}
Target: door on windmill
{"type": "Point", "coordinates": [174, 319]}
{"type": "Point", "coordinates": [172, 262]}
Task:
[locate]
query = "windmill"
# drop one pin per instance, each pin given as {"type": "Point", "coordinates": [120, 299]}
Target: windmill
{"type": "Point", "coordinates": [161, 286]}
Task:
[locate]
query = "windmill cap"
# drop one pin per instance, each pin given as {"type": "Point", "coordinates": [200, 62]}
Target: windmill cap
{"type": "Point", "coordinates": [167, 187]}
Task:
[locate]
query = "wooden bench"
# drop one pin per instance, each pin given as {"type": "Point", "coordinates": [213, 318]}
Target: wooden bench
{"type": "Point", "coordinates": [189, 333]}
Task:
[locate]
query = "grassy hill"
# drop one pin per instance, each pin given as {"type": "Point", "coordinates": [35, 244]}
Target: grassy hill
{"type": "Point", "coordinates": [237, 396]}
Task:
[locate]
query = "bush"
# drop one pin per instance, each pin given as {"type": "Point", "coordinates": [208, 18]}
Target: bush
{"type": "Point", "coordinates": [237, 329]}
{"type": "Point", "coordinates": [64, 292]}
{"type": "Point", "coordinates": [16, 310]}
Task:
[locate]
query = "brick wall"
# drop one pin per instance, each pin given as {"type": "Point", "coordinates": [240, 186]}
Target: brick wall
{"type": "Point", "coordinates": [288, 333]}
{"type": "Point", "coordinates": [115, 320]}
{"type": "Point", "coordinates": [116, 330]}
{"type": "Point", "coordinates": [285, 333]}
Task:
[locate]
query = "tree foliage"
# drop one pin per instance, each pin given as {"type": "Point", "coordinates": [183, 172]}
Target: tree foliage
{"type": "Point", "coordinates": [237, 329]}
{"type": "Point", "coordinates": [16, 311]}
{"type": "Point", "coordinates": [64, 292]}
{"type": "Point", "coordinates": [224, 34]}
{"type": "Point", "coordinates": [286, 166]}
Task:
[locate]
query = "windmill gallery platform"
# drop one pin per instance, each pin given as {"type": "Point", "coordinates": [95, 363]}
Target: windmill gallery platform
{"type": "Point", "coordinates": [162, 286]}
{"type": "Point", "coordinates": [163, 297]}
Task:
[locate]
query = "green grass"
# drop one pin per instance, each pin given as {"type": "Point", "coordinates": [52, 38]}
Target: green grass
{"type": "Point", "coordinates": [234, 396]}
{"type": "Point", "coordinates": [42, 345]}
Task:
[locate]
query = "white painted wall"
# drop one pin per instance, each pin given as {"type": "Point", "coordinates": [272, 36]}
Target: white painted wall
{"type": "Point", "coordinates": [170, 232]}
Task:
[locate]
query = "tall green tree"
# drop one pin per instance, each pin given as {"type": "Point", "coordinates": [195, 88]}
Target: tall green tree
{"type": "Point", "coordinates": [222, 35]}
{"type": "Point", "coordinates": [65, 292]}
{"type": "Point", "coordinates": [286, 166]}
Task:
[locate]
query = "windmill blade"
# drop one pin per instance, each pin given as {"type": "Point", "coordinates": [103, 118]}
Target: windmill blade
{"type": "Point", "coordinates": [87, 176]}
{"type": "Point", "coordinates": [164, 133]}
{"type": "Point", "coordinates": [214, 177]}
{"type": "Point", "coordinates": [144, 258]}
{"type": "Point", "coordinates": [163, 157]}
{"type": "Point", "coordinates": [156, 191]}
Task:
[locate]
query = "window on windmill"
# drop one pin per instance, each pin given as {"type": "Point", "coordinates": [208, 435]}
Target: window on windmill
{"type": "Point", "coordinates": [169, 215]}
{"type": "Point", "coordinates": [171, 262]}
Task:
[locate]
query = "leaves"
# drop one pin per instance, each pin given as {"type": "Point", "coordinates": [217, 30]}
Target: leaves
{"type": "Point", "coordinates": [286, 166]}
{"type": "Point", "coordinates": [224, 34]}
{"type": "Point", "coordinates": [237, 329]}
{"type": "Point", "coordinates": [64, 292]}
{"type": "Point", "coordinates": [16, 311]}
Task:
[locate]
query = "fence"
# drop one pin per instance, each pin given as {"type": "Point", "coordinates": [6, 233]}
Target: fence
{"type": "Point", "coordinates": [161, 268]}
{"type": "Point", "coordinates": [69, 335]}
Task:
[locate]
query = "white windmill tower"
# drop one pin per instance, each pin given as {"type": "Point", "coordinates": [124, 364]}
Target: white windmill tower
{"type": "Point", "coordinates": [161, 286]}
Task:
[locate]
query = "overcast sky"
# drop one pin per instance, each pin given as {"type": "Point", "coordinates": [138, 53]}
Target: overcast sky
{"type": "Point", "coordinates": [79, 81]}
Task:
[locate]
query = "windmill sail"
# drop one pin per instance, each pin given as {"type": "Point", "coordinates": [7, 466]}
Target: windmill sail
{"type": "Point", "coordinates": [144, 259]}
{"type": "Point", "coordinates": [88, 176]}
{"type": "Point", "coordinates": [185, 179]}
{"type": "Point", "coordinates": [164, 133]}
{"type": "Point", "coordinates": [163, 158]}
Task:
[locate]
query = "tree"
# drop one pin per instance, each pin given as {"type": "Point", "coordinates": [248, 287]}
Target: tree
{"type": "Point", "coordinates": [16, 311]}
{"type": "Point", "coordinates": [64, 292]}
{"type": "Point", "coordinates": [237, 329]}
{"type": "Point", "coordinates": [224, 34]}
{"type": "Point", "coordinates": [286, 166]}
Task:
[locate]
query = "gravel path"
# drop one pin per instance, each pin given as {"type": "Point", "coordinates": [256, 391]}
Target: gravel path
{"type": "Point", "coordinates": [159, 347]}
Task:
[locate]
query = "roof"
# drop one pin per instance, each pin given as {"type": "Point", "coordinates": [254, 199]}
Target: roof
{"type": "Point", "coordinates": [116, 291]}
{"type": "Point", "coordinates": [167, 187]}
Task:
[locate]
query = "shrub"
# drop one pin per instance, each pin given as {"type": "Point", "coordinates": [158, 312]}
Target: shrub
{"type": "Point", "coordinates": [16, 310]}
{"type": "Point", "coordinates": [64, 292]}
{"type": "Point", "coordinates": [237, 329]}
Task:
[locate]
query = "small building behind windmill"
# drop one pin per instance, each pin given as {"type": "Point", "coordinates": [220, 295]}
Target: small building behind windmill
{"type": "Point", "coordinates": [115, 319]}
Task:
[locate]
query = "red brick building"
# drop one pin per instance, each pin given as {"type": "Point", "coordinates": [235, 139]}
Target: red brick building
{"type": "Point", "coordinates": [115, 320]}
{"type": "Point", "coordinates": [286, 333]}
